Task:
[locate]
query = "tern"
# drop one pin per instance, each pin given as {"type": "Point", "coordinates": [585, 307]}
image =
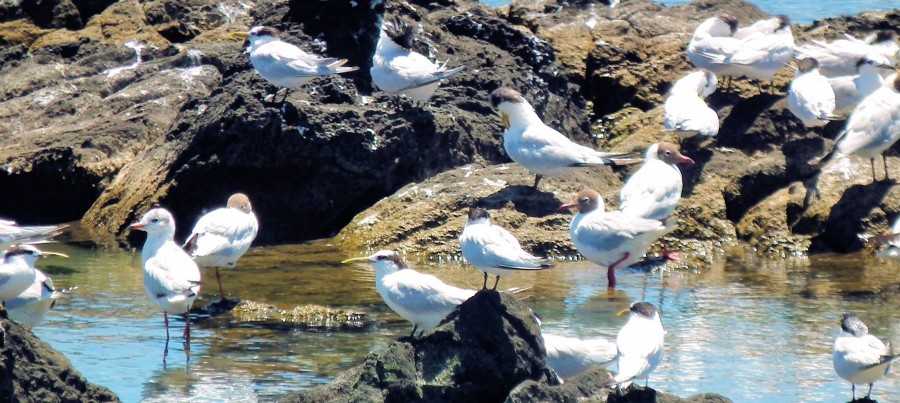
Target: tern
{"type": "Point", "coordinates": [493, 250]}
{"type": "Point", "coordinates": [640, 345]}
{"type": "Point", "coordinates": [759, 57]}
{"type": "Point", "coordinates": [223, 235]}
{"type": "Point", "coordinates": [759, 28]}
{"type": "Point", "coordinates": [611, 239]}
{"type": "Point", "coordinates": [860, 357]}
{"type": "Point", "coordinates": [873, 127]}
{"type": "Point", "coordinates": [171, 277]}
{"type": "Point", "coordinates": [31, 306]}
{"type": "Point", "coordinates": [686, 112]}
{"type": "Point", "coordinates": [422, 299]}
{"type": "Point", "coordinates": [17, 271]}
{"type": "Point", "coordinates": [714, 36]}
{"type": "Point", "coordinates": [849, 91]}
{"type": "Point", "coordinates": [397, 68]}
{"type": "Point", "coordinates": [570, 356]}
{"type": "Point", "coordinates": [285, 65]}
{"type": "Point", "coordinates": [810, 96]}
{"type": "Point", "coordinates": [839, 57]}
{"type": "Point", "coordinates": [538, 147]}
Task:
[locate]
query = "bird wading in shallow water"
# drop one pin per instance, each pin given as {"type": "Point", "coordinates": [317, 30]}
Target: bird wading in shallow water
{"type": "Point", "coordinates": [611, 239]}
{"type": "Point", "coordinates": [223, 235]}
{"type": "Point", "coordinates": [538, 147]}
{"type": "Point", "coordinates": [397, 68]}
{"type": "Point", "coordinates": [493, 250]}
{"type": "Point", "coordinates": [285, 65]}
{"type": "Point", "coordinates": [31, 306]}
{"type": "Point", "coordinates": [17, 271]}
{"type": "Point", "coordinates": [859, 357]}
{"type": "Point", "coordinates": [640, 345]}
{"type": "Point", "coordinates": [171, 278]}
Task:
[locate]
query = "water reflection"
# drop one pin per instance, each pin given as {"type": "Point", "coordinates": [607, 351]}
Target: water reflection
{"type": "Point", "coordinates": [752, 329]}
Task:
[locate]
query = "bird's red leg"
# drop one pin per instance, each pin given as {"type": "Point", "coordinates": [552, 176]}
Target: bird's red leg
{"type": "Point", "coordinates": [611, 272]}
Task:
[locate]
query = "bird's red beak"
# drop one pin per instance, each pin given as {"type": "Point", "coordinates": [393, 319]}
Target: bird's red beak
{"type": "Point", "coordinates": [685, 160]}
{"type": "Point", "coordinates": [137, 226]}
{"type": "Point", "coordinates": [566, 207]}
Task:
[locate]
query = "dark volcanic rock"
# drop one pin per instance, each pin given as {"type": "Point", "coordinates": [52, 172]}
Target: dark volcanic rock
{"type": "Point", "coordinates": [32, 371]}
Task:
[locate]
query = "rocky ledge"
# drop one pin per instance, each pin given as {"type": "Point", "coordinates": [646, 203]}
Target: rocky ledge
{"type": "Point", "coordinates": [489, 349]}
{"type": "Point", "coordinates": [32, 371]}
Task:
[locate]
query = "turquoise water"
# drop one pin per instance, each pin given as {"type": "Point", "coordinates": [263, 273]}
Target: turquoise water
{"type": "Point", "coordinates": [803, 12]}
{"type": "Point", "coordinates": [755, 330]}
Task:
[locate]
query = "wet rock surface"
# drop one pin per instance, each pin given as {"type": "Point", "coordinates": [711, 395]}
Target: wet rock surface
{"type": "Point", "coordinates": [32, 371]}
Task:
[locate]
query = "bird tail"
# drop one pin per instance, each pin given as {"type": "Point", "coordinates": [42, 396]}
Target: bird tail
{"type": "Point", "coordinates": [614, 159]}
{"type": "Point", "coordinates": [190, 244]}
{"type": "Point", "coordinates": [819, 161]}
{"type": "Point", "coordinates": [516, 290]}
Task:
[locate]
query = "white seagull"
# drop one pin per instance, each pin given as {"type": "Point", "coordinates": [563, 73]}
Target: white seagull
{"type": "Point", "coordinates": [570, 356]}
{"type": "Point", "coordinates": [422, 299]}
{"type": "Point", "coordinates": [611, 239]}
{"type": "Point", "coordinates": [31, 306]}
{"type": "Point", "coordinates": [714, 36]}
{"type": "Point", "coordinates": [686, 111]}
{"type": "Point", "coordinates": [223, 235]}
{"type": "Point", "coordinates": [759, 57]}
{"type": "Point", "coordinates": [17, 271]}
{"type": "Point", "coordinates": [655, 189]}
{"type": "Point", "coordinates": [810, 96]}
{"type": "Point", "coordinates": [171, 277]}
{"type": "Point", "coordinates": [860, 357]}
{"type": "Point", "coordinates": [849, 91]}
{"type": "Point", "coordinates": [538, 147]}
{"type": "Point", "coordinates": [640, 344]}
{"type": "Point", "coordinates": [493, 250]}
{"type": "Point", "coordinates": [396, 68]}
{"type": "Point", "coordinates": [839, 57]}
{"type": "Point", "coordinates": [759, 28]}
{"type": "Point", "coordinates": [873, 127]}
{"type": "Point", "coordinates": [285, 65]}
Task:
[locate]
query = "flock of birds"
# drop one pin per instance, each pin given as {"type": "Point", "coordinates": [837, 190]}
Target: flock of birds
{"type": "Point", "coordinates": [832, 78]}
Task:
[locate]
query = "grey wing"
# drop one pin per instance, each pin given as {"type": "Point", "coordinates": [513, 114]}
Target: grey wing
{"type": "Point", "coordinates": [614, 229]}
{"type": "Point", "coordinates": [421, 81]}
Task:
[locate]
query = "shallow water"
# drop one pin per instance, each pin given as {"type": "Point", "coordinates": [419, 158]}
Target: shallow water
{"type": "Point", "coordinates": [753, 330]}
{"type": "Point", "coordinates": [803, 12]}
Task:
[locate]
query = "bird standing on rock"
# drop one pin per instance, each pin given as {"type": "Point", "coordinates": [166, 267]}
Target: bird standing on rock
{"type": "Point", "coordinates": [686, 111]}
{"type": "Point", "coordinates": [714, 36]}
{"type": "Point", "coordinates": [612, 239]}
{"type": "Point", "coordinates": [397, 68]}
{"type": "Point", "coordinates": [285, 65]}
{"type": "Point", "coordinates": [538, 147]}
{"type": "Point", "coordinates": [223, 235]}
{"type": "Point", "coordinates": [492, 249]}
{"type": "Point", "coordinates": [849, 91]}
{"type": "Point", "coordinates": [810, 96]}
{"type": "Point", "coordinates": [570, 356]}
{"type": "Point", "coordinates": [839, 57]}
{"type": "Point", "coordinates": [640, 344]}
{"type": "Point", "coordinates": [860, 357]}
{"type": "Point", "coordinates": [171, 278]}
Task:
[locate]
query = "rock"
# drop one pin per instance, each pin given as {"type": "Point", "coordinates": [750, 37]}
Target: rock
{"type": "Point", "coordinates": [584, 387]}
{"type": "Point", "coordinates": [302, 317]}
{"type": "Point", "coordinates": [32, 371]}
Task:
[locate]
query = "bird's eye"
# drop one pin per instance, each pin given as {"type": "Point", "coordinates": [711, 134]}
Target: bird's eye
{"type": "Point", "coordinates": [668, 152]}
{"type": "Point", "coordinates": [382, 257]}
{"type": "Point", "coordinates": [585, 199]}
{"type": "Point", "coordinates": [155, 220]}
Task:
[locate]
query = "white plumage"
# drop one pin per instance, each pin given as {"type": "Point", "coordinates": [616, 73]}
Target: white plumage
{"type": "Point", "coordinates": [570, 356]}
{"type": "Point", "coordinates": [17, 270]}
{"type": "Point", "coordinates": [654, 191]}
{"type": "Point", "coordinates": [32, 305]}
{"type": "Point", "coordinates": [758, 57]}
{"type": "Point", "coordinates": [640, 344]}
{"type": "Point", "coordinates": [686, 111]}
{"type": "Point", "coordinates": [712, 38]}
{"type": "Point", "coordinates": [849, 91]}
{"type": "Point", "coordinates": [810, 96]}
{"type": "Point", "coordinates": [859, 357]}
{"type": "Point", "coordinates": [494, 250]}
{"type": "Point", "coordinates": [12, 233]}
{"type": "Point", "coordinates": [839, 57]}
{"type": "Point", "coordinates": [396, 68]}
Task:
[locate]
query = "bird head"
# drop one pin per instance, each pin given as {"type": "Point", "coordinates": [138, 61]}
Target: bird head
{"type": "Point", "coordinates": [875, 62]}
{"type": "Point", "coordinates": [29, 253]}
{"type": "Point", "coordinates": [668, 153]}
{"type": "Point", "coordinates": [806, 65]}
{"type": "Point", "coordinates": [852, 324]}
{"type": "Point", "coordinates": [643, 309]}
{"type": "Point", "coordinates": [478, 215]}
{"type": "Point", "coordinates": [401, 33]}
{"type": "Point", "coordinates": [783, 22]}
{"type": "Point", "coordinates": [241, 202]}
{"type": "Point", "coordinates": [156, 221]}
{"type": "Point", "coordinates": [503, 99]}
{"type": "Point", "coordinates": [383, 261]}
{"type": "Point", "coordinates": [729, 20]}
{"type": "Point", "coordinates": [257, 35]}
{"type": "Point", "coordinates": [586, 201]}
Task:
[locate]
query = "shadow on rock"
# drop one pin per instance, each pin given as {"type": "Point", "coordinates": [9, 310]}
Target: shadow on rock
{"type": "Point", "coordinates": [847, 216]}
{"type": "Point", "coordinates": [526, 200]}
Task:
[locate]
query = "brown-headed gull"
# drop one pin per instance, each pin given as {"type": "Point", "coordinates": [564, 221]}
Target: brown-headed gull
{"type": "Point", "coordinates": [223, 235]}
{"type": "Point", "coordinates": [611, 239]}
{"type": "Point", "coordinates": [859, 357]}
{"type": "Point", "coordinates": [538, 147]}
{"type": "Point", "coordinates": [810, 96]}
{"type": "Point", "coordinates": [494, 250]}
{"type": "Point", "coordinates": [285, 65]}
{"type": "Point", "coordinates": [640, 344]}
{"type": "Point", "coordinates": [171, 277]}
{"type": "Point", "coordinates": [397, 68]}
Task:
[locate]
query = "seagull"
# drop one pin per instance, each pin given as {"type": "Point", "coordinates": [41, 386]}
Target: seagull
{"type": "Point", "coordinates": [283, 64]}
{"type": "Point", "coordinates": [849, 91]}
{"type": "Point", "coordinates": [538, 147]}
{"type": "Point", "coordinates": [492, 249]}
{"type": "Point", "coordinates": [810, 96]}
{"type": "Point", "coordinates": [11, 233]}
{"type": "Point", "coordinates": [171, 278]}
{"type": "Point", "coordinates": [839, 57]}
{"type": "Point", "coordinates": [612, 239]}
{"type": "Point", "coordinates": [686, 112]}
{"type": "Point", "coordinates": [17, 271]}
{"type": "Point", "coordinates": [859, 357]}
{"type": "Point", "coordinates": [759, 28]}
{"type": "Point", "coordinates": [759, 57]}
{"type": "Point", "coordinates": [873, 127]}
{"type": "Point", "coordinates": [31, 306]}
{"type": "Point", "coordinates": [570, 356]}
{"type": "Point", "coordinates": [223, 235]}
{"type": "Point", "coordinates": [640, 344]}
{"type": "Point", "coordinates": [714, 36]}
{"type": "Point", "coordinates": [422, 299]}
{"type": "Point", "coordinates": [396, 68]}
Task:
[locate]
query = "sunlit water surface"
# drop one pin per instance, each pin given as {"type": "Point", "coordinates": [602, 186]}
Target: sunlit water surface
{"type": "Point", "coordinates": [803, 12]}
{"type": "Point", "coordinates": [753, 330]}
